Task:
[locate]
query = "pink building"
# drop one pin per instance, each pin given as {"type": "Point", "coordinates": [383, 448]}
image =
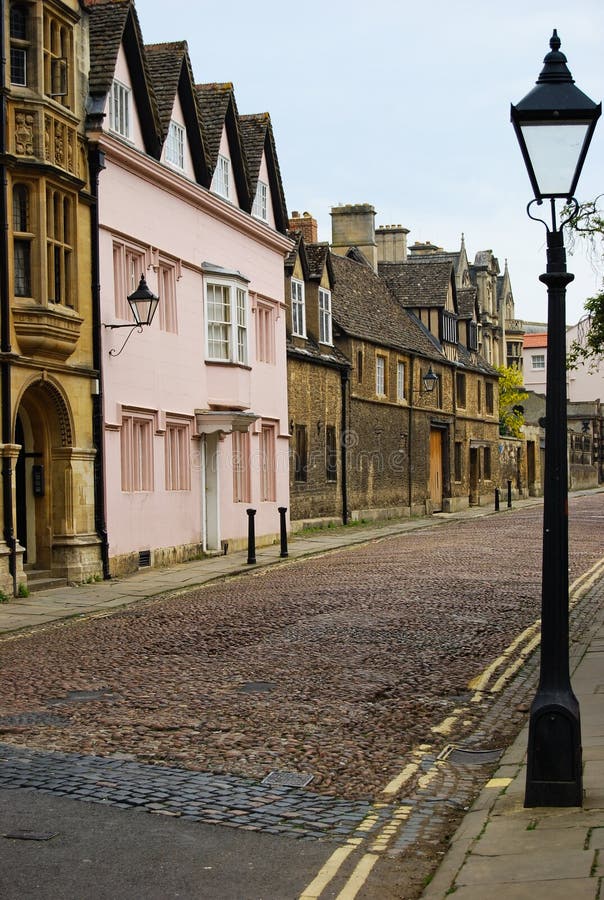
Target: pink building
{"type": "Point", "coordinates": [194, 407]}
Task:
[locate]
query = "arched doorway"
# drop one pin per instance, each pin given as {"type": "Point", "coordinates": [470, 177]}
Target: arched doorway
{"type": "Point", "coordinates": [44, 430]}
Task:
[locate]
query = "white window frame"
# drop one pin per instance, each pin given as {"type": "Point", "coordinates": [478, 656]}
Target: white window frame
{"type": "Point", "coordinates": [222, 176]}
{"type": "Point", "coordinates": [325, 335]}
{"type": "Point", "coordinates": [380, 375]}
{"type": "Point", "coordinates": [400, 381]}
{"type": "Point", "coordinates": [538, 361]}
{"type": "Point", "coordinates": [298, 308]}
{"type": "Point", "coordinates": [260, 207]}
{"type": "Point", "coordinates": [175, 145]}
{"type": "Point", "coordinates": [229, 330]}
{"type": "Point", "coordinates": [120, 118]}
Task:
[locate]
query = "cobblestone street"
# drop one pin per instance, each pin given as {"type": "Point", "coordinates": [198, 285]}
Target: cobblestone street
{"type": "Point", "coordinates": [335, 667]}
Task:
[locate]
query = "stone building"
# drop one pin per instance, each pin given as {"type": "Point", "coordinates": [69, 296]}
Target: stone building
{"type": "Point", "coordinates": [317, 381]}
{"type": "Point", "coordinates": [395, 320]}
{"type": "Point", "coordinates": [48, 369]}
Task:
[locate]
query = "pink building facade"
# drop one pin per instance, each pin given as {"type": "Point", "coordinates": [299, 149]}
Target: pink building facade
{"type": "Point", "coordinates": [194, 407]}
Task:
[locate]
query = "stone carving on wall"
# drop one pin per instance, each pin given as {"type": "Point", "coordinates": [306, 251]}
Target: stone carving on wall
{"type": "Point", "coordinates": [60, 144]}
{"type": "Point", "coordinates": [24, 132]}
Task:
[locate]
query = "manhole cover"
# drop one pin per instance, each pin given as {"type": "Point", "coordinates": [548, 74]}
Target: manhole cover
{"type": "Point", "coordinates": [257, 687]}
{"type": "Point", "coordinates": [464, 757]}
{"type": "Point", "coordinates": [287, 779]}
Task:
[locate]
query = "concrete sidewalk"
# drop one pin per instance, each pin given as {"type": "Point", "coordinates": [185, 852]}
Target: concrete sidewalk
{"type": "Point", "coordinates": [44, 607]}
{"type": "Point", "coordinates": [505, 852]}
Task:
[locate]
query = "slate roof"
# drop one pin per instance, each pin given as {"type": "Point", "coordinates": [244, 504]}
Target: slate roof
{"type": "Point", "coordinates": [318, 256]}
{"type": "Point", "coordinates": [466, 302]}
{"type": "Point", "coordinates": [112, 22]}
{"type": "Point", "coordinates": [421, 282]}
{"type": "Point", "coordinates": [317, 353]}
{"type": "Point", "coordinates": [363, 307]}
{"type": "Point", "coordinates": [214, 102]}
{"type": "Point", "coordinates": [257, 138]}
{"type": "Point", "coordinates": [165, 65]}
{"type": "Point", "coordinates": [107, 21]}
{"type": "Point", "coordinates": [253, 135]}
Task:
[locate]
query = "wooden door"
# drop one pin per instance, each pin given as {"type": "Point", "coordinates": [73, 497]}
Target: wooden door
{"type": "Point", "coordinates": [436, 469]}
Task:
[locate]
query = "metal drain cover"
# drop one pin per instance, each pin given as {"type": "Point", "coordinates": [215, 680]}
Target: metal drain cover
{"type": "Point", "coordinates": [464, 757]}
{"type": "Point", "coordinates": [287, 779]}
{"type": "Point", "coordinates": [33, 718]}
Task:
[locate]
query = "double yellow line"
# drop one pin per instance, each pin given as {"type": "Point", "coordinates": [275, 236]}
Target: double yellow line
{"type": "Point", "coordinates": [511, 660]}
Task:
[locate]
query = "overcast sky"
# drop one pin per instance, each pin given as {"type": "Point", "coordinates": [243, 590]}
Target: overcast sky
{"type": "Point", "coordinates": [405, 106]}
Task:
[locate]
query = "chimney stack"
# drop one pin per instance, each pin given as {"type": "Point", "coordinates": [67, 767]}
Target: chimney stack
{"type": "Point", "coordinates": [391, 243]}
{"type": "Point", "coordinates": [354, 226]}
{"type": "Point", "coordinates": [306, 224]}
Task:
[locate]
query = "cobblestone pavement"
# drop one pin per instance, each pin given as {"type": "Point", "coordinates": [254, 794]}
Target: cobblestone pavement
{"type": "Point", "coordinates": [351, 667]}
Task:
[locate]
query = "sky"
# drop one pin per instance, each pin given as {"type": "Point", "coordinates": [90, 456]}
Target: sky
{"type": "Point", "coordinates": [406, 107]}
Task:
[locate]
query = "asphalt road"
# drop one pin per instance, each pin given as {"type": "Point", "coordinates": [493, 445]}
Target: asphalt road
{"type": "Point", "coordinates": [106, 853]}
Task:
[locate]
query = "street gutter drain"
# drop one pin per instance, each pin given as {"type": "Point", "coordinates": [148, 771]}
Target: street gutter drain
{"type": "Point", "coordinates": [287, 779]}
{"type": "Point", "coordinates": [464, 757]}
{"type": "Point", "coordinates": [23, 835]}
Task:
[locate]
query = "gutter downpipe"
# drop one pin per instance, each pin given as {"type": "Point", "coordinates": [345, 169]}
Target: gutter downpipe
{"type": "Point", "coordinates": [5, 344]}
{"type": "Point", "coordinates": [410, 439]}
{"type": "Point", "coordinates": [96, 163]}
{"type": "Point", "coordinates": [344, 376]}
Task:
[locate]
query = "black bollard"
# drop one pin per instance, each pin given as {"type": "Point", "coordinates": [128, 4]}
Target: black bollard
{"type": "Point", "coordinates": [509, 494]}
{"type": "Point", "coordinates": [496, 499]}
{"type": "Point", "coordinates": [251, 536]}
{"type": "Point", "coordinates": [283, 529]}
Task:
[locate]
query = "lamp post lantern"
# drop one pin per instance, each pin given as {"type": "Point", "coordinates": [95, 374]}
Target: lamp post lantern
{"type": "Point", "coordinates": [554, 125]}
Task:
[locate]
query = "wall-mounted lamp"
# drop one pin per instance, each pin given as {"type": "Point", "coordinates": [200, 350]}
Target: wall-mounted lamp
{"type": "Point", "coordinates": [429, 380]}
{"type": "Point", "coordinates": [291, 426]}
{"type": "Point", "coordinates": [143, 303]}
{"type": "Point", "coordinates": [319, 426]}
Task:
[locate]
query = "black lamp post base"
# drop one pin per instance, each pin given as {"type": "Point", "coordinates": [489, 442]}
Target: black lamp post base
{"type": "Point", "coordinates": [554, 759]}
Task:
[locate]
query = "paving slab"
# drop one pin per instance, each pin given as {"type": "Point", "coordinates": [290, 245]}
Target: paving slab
{"type": "Point", "coordinates": [568, 889]}
{"type": "Point", "coordinates": [548, 865]}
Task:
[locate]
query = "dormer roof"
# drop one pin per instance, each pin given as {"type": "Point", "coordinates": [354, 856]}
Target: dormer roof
{"type": "Point", "coordinates": [218, 111]}
{"type": "Point", "coordinates": [171, 76]}
{"type": "Point", "coordinates": [258, 141]}
{"type": "Point", "coordinates": [114, 23]}
{"type": "Point", "coordinates": [420, 283]}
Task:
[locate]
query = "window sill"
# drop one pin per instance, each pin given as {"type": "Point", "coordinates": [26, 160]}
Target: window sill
{"type": "Point", "coordinates": [226, 362]}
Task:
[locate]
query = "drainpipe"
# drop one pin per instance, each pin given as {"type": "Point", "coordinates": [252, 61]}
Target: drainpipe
{"type": "Point", "coordinates": [96, 163]}
{"type": "Point", "coordinates": [5, 344]}
{"type": "Point", "coordinates": [344, 376]}
{"type": "Point", "coordinates": [410, 439]}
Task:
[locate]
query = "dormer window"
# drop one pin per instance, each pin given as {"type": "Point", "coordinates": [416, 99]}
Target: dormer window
{"type": "Point", "coordinates": [175, 145]}
{"type": "Point", "coordinates": [298, 308]}
{"type": "Point", "coordinates": [260, 207]}
{"type": "Point", "coordinates": [222, 177]}
{"type": "Point", "coordinates": [472, 336]}
{"type": "Point", "coordinates": [449, 333]}
{"type": "Point", "coordinates": [119, 109]}
{"type": "Point", "coordinates": [324, 316]}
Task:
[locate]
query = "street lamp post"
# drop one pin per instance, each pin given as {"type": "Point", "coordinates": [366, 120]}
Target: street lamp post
{"type": "Point", "coordinates": [554, 125]}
